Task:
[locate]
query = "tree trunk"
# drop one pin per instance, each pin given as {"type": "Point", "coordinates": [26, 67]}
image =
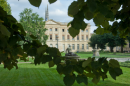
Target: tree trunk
{"type": "Point", "coordinates": [121, 49]}
{"type": "Point", "coordinates": [111, 49]}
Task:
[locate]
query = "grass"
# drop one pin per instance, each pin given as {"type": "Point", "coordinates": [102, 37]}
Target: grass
{"type": "Point", "coordinates": [40, 75]}
{"type": "Point", "coordinates": [109, 55]}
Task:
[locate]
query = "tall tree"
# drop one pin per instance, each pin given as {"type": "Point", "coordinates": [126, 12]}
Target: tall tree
{"type": "Point", "coordinates": [33, 24]}
{"type": "Point", "coordinates": [5, 6]}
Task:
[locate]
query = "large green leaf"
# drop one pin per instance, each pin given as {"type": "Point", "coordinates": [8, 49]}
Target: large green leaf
{"type": "Point", "coordinates": [3, 56]}
{"type": "Point", "coordinates": [82, 78]}
{"type": "Point", "coordinates": [51, 63]}
{"type": "Point", "coordinates": [52, 1]}
{"type": "Point", "coordinates": [67, 69]}
{"type": "Point", "coordinates": [114, 63]}
{"type": "Point", "coordinates": [96, 80]}
{"type": "Point", "coordinates": [99, 19]}
{"type": "Point", "coordinates": [69, 80]}
{"type": "Point", "coordinates": [4, 30]}
{"type": "Point", "coordinates": [73, 32]}
{"type": "Point", "coordinates": [100, 30]}
{"type": "Point", "coordinates": [112, 73]}
{"type": "Point", "coordinates": [92, 5]}
{"type": "Point", "coordinates": [35, 3]}
{"type": "Point", "coordinates": [87, 62]}
{"type": "Point", "coordinates": [73, 8]}
{"type": "Point", "coordinates": [84, 25]}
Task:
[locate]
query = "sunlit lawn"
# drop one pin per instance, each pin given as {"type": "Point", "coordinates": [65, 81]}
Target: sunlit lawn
{"type": "Point", "coordinates": [109, 55]}
{"type": "Point", "coordinates": [40, 75]}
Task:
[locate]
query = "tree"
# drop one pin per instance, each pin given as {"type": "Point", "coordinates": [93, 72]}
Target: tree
{"type": "Point", "coordinates": [33, 24]}
{"type": "Point", "coordinates": [99, 40]}
{"type": "Point", "coordinates": [11, 32]}
{"type": "Point", "coordinates": [5, 6]}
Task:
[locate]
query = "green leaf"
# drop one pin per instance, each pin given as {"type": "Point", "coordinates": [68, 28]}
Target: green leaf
{"type": "Point", "coordinates": [69, 80]}
{"type": "Point", "coordinates": [112, 73]}
{"type": "Point", "coordinates": [33, 37]}
{"type": "Point", "coordinates": [99, 19]}
{"type": "Point", "coordinates": [100, 30]}
{"type": "Point", "coordinates": [87, 62]}
{"type": "Point", "coordinates": [67, 69]}
{"type": "Point", "coordinates": [52, 1]}
{"type": "Point", "coordinates": [69, 23]}
{"type": "Point", "coordinates": [21, 29]}
{"type": "Point", "coordinates": [103, 9]}
{"type": "Point", "coordinates": [32, 51]}
{"type": "Point", "coordinates": [82, 78]}
{"type": "Point", "coordinates": [26, 46]}
{"type": "Point", "coordinates": [35, 3]}
{"type": "Point", "coordinates": [4, 30]}
{"type": "Point", "coordinates": [46, 58]}
{"type": "Point", "coordinates": [3, 56]}
{"type": "Point", "coordinates": [114, 63]}
{"type": "Point", "coordinates": [96, 80]}
{"type": "Point", "coordinates": [90, 75]}
{"type": "Point", "coordinates": [105, 24]}
{"type": "Point", "coordinates": [88, 14]}
{"type": "Point", "coordinates": [84, 25]}
{"type": "Point", "coordinates": [73, 32]}
{"type": "Point", "coordinates": [59, 68]}
{"type": "Point", "coordinates": [92, 5]}
{"type": "Point", "coordinates": [57, 60]}
{"type": "Point", "coordinates": [73, 8]}
{"type": "Point", "coordinates": [78, 69]}
{"type": "Point", "coordinates": [11, 19]}
{"type": "Point", "coordinates": [51, 64]}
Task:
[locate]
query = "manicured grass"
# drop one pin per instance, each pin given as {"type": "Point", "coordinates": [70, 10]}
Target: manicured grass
{"type": "Point", "coordinates": [109, 55]}
{"type": "Point", "coordinates": [40, 75]}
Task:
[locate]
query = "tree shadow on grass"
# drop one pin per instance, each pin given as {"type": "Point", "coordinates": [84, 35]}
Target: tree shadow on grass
{"type": "Point", "coordinates": [41, 75]}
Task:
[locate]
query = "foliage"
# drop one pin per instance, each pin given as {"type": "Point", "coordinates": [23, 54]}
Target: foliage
{"type": "Point", "coordinates": [11, 32]}
{"type": "Point", "coordinates": [5, 6]}
{"type": "Point", "coordinates": [33, 24]}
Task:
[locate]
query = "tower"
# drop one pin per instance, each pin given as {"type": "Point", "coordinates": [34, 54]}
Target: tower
{"type": "Point", "coordinates": [46, 14]}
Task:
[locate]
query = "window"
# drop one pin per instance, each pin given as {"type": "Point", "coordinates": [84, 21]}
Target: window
{"type": "Point", "coordinates": [87, 30]}
{"type": "Point", "coordinates": [51, 45]}
{"type": "Point", "coordinates": [87, 46]}
{"type": "Point", "coordinates": [82, 30]}
{"type": "Point", "coordinates": [86, 37]}
{"type": "Point", "coordinates": [50, 36]}
{"type": "Point", "coordinates": [68, 45]}
{"type": "Point", "coordinates": [72, 38]}
{"type": "Point", "coordinates": [68, 37]}
{"type": "Point", "coordinates": [56, 46]}
{"type": "Point", "coordinates": [73, 46]}
{"type": "Point", "coordinates": [82, 46]}
{"type": "Point", "coordinates": [67, 30]}
{"type": "Point", "coordinates": [63, 37]}
{"type": "Point", "coordinates": [77, 46]}
{"type": "Point", "coordinates": [78, 37]}
{"type": "Point", "coordinates": [50, 29]}
{"type": "Point", "coordinates": [82, 37]}
{"type": "Point", "coordinates": [56, 29]}
{"type": "Point", "coordinates": [62, 30]}
{"type": "Point", "coordinates": [56, 37]}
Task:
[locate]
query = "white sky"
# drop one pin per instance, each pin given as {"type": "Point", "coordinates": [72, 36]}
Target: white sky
{"type": "Point", "coordinates": [57, 10]}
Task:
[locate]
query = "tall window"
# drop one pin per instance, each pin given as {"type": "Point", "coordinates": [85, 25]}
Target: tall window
{"type": "Point", "coordinates": [82, 37]}
{"type": "Point", "coordinates": [63, 37]}
{"type": "Point", "coordinates": [73, 46]}
{"type": "Point", "coordinates": [68, 45]}
{"type": "Point", "coordinates": [82, 30]}
{"type": "Point", "coordinates": [77, 46]}
{"type": "Point", "coordinates": [56, 29]}
{"type": "Point", "coordinates": [50, 36]}
{"type": "Point", "coordinates": [77, 37]}
{"type": "Point", "coordinates": [67, 30]}
{"type": "Point", "coordinates": [56, 37]}
{"type": "Point", "coordinates": [50, 29]}
{"type": "Point", "coordinates": [56, 46]}
{"type": "Point", "coordinates": [72, 38]}
{"type": "Point", "coordinates": [51, 45]}
{"type": "Point", "coordinates": [68, 37]}
{"type": "Point", "coordinates": [63, 30]}
{"type": "Point", "coordinates": [86, 37]}
{"type": "Point", "coordinates": [82, 46]}
{"type": "Point", "coordinates": [87, 30]}
{"type": "Point", "coordinates": [87, 46]}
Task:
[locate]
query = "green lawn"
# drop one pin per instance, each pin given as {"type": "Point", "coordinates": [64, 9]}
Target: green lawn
{"type": "Point", "coordinates": [40, 75]}
{"type": "Point", "coordinates": [109, 55]}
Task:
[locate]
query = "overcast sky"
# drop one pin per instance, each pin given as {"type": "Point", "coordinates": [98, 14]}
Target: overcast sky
{"type": "Point", "coordinates": [57, 10]}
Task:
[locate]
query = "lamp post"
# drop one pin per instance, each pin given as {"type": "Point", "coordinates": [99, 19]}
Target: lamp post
{"type": "Point", "coordinates": [57, 41]}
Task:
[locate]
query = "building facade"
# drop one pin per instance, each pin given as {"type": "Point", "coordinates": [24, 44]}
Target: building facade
{"type": "Point", "coordinates": [60, 38]}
